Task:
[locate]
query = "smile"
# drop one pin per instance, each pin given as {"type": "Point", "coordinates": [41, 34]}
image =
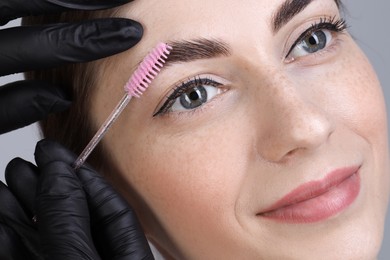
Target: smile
{"type": "Point", "coordinates": [317, 200]}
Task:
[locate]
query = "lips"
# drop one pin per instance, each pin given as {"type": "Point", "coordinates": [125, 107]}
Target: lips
{"type": "Point", "coordinates": [317, 200]}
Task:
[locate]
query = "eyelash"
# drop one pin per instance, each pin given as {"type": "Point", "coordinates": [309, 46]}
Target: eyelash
{"type": "Point", "coordinates": [328, 23]}
{"type": "Point", "coordinates": [183, 88]}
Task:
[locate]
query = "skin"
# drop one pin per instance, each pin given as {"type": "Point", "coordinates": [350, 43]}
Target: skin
{"type": "Point", "coordinates": [198, 178]}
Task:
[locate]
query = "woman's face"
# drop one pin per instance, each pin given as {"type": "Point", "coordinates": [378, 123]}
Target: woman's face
{"type": "Point", "coordinates": [264, 137]}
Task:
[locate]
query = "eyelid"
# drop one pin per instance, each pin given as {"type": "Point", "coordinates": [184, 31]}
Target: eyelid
{"type": "Point", "coordinates": [183, 86]}
{"type": "Point", "coordinates": [331, 23]}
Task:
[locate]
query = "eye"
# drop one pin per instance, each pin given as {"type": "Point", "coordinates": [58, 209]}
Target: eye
{"type": "Point", "coordinates": [317, 37]}
{"type": "Point", "coordinates": [190, 95]}
{"type": "Point", "coordinates": [195, 97]}
{"type": "Point", "coordinates": [312, 43]}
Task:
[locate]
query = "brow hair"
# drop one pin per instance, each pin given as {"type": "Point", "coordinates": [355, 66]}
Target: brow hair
{"type": "Point", "coordinates": [190, 50]}
{"type": "Point", "coordinates": [288, 10]}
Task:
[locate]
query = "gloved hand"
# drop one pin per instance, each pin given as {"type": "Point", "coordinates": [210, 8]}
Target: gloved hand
{"type": "Point", "coordinates": [25, 102]}
{"type": "Point", "coordinates": [79, 215]}
{"type": "Point", "coordinates": [47, 46]}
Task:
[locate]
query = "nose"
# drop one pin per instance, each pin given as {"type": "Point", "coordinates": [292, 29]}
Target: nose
{"type": "Point", "coordinates": [292, 122]}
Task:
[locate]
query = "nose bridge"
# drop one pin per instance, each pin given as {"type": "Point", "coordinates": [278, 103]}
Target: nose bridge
{"type": "Point", "coordinates": [294, 121]}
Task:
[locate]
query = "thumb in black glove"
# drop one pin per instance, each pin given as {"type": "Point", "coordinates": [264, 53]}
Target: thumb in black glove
{"type": "Point", "coordinates": [79, 215]}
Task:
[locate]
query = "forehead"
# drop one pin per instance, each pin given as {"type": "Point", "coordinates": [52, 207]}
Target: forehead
{"type": "Point", "coordinates": [172, 19]}
{"type": "Point", "coordinates": [177, 18]}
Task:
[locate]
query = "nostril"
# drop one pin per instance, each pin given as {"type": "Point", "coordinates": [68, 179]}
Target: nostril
{"type": "Point", "coordinates": [290, 153]}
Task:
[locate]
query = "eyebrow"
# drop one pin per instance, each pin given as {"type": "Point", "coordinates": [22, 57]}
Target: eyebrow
{"type": "Point", "coordinates": [288, 10]}
{"type": "Point", "coordinates": [202, 48]}
{"type": "Point", "coordinates": [191, 50]}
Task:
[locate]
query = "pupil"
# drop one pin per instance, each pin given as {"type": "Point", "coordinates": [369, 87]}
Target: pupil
{"type": "Point", "coordinates": [193, 95]}
{"type": "Point", "coordinates": [313, 40]}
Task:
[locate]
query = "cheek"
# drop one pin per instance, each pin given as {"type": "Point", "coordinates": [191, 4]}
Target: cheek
{"type": "Point", "coordinates": [190, 180]}
{"type": "Point", "coordinates": [349, 92]}
{"type": "Point", "coordinates": [361, 108]}
{"type": "Point", "coordinates": [363, 101]}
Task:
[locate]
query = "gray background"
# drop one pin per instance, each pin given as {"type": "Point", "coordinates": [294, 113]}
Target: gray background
{"type": "Point", "coordinates": [369, 22]}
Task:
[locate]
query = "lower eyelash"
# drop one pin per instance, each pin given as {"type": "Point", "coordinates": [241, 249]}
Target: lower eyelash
{"type": "Point", "coordinates": [180, 115]}
{"type": "Point", "coordinates": [183, 88]}
{"type": "Point", "coordinates": [326, 23]}
{"type": "Point", "coordinates": [329, 49]}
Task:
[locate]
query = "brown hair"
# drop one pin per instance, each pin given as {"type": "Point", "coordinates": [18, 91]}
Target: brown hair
{"type": "Point", "coordinates": [72, 128]}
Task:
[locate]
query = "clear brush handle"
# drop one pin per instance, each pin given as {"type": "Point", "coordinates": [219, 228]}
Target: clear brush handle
{"type": "Point", "coordinates": [102, 131]}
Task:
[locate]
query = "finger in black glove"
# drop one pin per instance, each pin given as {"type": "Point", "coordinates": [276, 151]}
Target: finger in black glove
{"type": "Point", "coordinates": [11, 9]}
{"type": "Point", "coordinates": [39, 47]}
{"type": "Point", "coordinates": [25, 102]}
{"type": "Point", "coordinates": [18, 235]}
{"type": "Point", "coordinates": [79, 214]}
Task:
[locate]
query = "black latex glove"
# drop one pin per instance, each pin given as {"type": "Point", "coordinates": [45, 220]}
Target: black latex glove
{"type": "Point", "coordinates": [19, 238]}
{"type": "Point", "coordinates": [47, 46]}
{"type": "Point", "coordinates": [22, 103]}
{"type": "Point", "coordinates": [79, 215]}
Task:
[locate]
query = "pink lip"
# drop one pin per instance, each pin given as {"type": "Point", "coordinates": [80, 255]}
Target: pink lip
{"type": "Point", "coordinates": [317, 200]}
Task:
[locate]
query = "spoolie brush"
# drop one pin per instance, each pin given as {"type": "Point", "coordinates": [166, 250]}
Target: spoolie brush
{"type": "Point", "coordinates": [135, 87]}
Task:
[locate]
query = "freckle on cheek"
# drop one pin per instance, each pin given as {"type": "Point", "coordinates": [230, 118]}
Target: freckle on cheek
{"type": "Point", "coordinates": [369, 100]}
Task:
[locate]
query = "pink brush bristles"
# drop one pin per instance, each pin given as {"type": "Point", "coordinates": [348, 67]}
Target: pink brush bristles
{"type": "Point", "coordinates": [135, 87]}
{"type": "Point", "coordinates": [147, 70]}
